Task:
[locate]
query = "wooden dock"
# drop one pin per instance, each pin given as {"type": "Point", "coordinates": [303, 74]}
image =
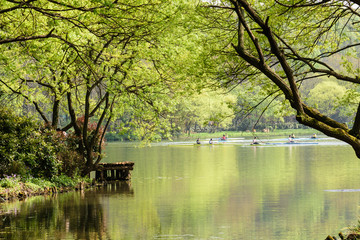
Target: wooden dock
{"type": "Point", "coordinates": [114, 171]}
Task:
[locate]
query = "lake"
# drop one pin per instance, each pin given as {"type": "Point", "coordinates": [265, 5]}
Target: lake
{"type": "Point", "coordinates": [220, 191]}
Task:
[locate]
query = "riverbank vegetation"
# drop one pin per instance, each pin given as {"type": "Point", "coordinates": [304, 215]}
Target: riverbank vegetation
{"type": "Point", "coordinates": [135, 70]}
{"type": "Point", "coordinates": [35, 159]}
{"type": "Point", "coordinates": [29, 149]}
{"type": "Point", "coordinates": [19, 187]}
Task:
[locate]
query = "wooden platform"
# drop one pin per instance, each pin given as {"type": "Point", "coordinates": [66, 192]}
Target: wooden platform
{"type": "Point", "coordinates": [114, 171]}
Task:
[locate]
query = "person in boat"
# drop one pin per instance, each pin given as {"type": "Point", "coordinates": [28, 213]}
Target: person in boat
{"type": "Point", "coordinates": [255, 141]}
{"type": "Point", "coordinates": [292, 135]}
{"type": "Point", "coordinates": [210, 141]}
{"type": "Point", "coordinates": [198, 141]}
{"type": "Point", "coordinates": [314, 135]}
{"type": "Point", "coordinates": [291, 139]}
{"type": "Point", "coordinates": [223, 138]}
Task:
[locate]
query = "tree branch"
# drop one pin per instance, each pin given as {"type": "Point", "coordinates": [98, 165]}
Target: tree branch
{"type": "Point", "coordinates": [29, 38]}
{"type": "Point", "coordinates": [21, 5]}
{"type": "Point", "coordinates": [37, 107]}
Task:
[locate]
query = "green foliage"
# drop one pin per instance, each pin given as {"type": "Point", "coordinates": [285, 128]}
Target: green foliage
{"type": "Point", "coordinates": [24, 150]}
{"type": "Point", "coordinates": [280, 45]}
{"type": "Point", "coordinates": [103, 61]}
{"type": "Point", "coordinates": [208, 111]}
{"type": "Point", "coordinates": [15, 183]}
{"type": "Point", "coordinates": [68, 154]}
{"type": "Point", "coordinates": [9, 181]}
{"type": "Point", "coordinates": [38, 183]}
{"type": "Point", "coordinates": [63, 181]}
{"type": "Point", "coordinates": [325, 97]}
{"type": "Point", "coordinates": [30, 151]}
{"type": "Point", "coordinates": [257, 109]}
{"type": "Point", "coordinates": [152, 62]}
{"type": "Point", "coordinates": [67, 181]}
{"type": "Point", "coordinates": [114, 136]}
{"type": "Point", "coordinates": [348, 104]}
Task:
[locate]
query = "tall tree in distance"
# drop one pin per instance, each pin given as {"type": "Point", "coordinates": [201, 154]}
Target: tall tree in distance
{"type": "Point", "coordinates": [290, 42]}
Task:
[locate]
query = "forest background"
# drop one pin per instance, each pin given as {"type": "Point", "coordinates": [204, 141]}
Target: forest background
{"type": "Point", "coordinates": [74, 73]}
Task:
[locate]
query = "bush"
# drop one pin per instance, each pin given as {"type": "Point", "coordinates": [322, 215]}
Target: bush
{"type": "Point", "coordinates": [63, 181]}
{"type": "Point", "coordinates": [38, 182]}
{"type": "Point", "coordinates": [9, 181]}
{"type": "Point", "coordinates": [24, 150]}
{"type": "Point", "coordinates": [30, 150]}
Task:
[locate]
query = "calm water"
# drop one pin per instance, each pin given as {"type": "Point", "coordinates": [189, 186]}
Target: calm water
{"type": "Point", "coordinates": [228, 191]}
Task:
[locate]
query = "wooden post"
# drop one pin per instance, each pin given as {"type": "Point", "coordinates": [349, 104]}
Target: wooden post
{"type": "Point", "coordinates": [105, 174]}
{"type": "Point", "coordinates": [102, 175]}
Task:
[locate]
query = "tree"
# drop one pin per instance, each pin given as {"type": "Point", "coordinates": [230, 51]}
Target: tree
{"type": "Point", "coordinates": [324, 96]}
{"type": "Point", "coordinates": [78, 63]}
{"type": "Point", "coordinates": [268, 113]}
{"type": "Point", "coordinates": [79, 67]}
{"type": "Point", "coordinates": [289, 42]}
{"type": "Point", "coordinates": [210, 110]}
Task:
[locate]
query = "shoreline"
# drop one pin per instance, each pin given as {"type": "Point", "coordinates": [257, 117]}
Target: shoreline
{"type": "Point", "coordinates": [22, 192]}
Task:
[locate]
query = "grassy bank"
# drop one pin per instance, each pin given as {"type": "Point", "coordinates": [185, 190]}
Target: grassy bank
{"type": "Point", "coordinates": [237, 134]}
{"type": "Point", "coordinates": [14, 187]}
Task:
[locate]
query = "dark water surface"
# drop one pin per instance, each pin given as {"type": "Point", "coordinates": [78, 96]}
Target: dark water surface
{"type": "Point", "coordinates": [228, 191]}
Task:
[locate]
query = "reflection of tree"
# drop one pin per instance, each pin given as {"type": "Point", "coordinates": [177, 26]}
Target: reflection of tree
{"type": "Point", "coordinates": [74, 215]}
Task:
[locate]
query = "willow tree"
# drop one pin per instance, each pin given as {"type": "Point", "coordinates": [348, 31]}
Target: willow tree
{"type": "Point", "coordinates": [87, 60]}
{"type": "Point", "coordinates": [290, 42]}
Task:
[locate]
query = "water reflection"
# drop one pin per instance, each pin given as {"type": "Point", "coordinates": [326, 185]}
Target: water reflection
{"type": "Point", "coordinates": [73, 215]}
{"type": "Point", "coordinates": [204, 192]}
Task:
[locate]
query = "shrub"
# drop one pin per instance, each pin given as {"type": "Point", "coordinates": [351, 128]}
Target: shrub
{"type": "Point", "coordinates": [39, 182]}
{"type": "Point", "coordinates": [63, 181]}
{"type": "Point", "coordinates": [24, 150]}
{"type": "Point", "coordinates": [28, 150]}
{"type": "Point", "coordinates": [9, 181]}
